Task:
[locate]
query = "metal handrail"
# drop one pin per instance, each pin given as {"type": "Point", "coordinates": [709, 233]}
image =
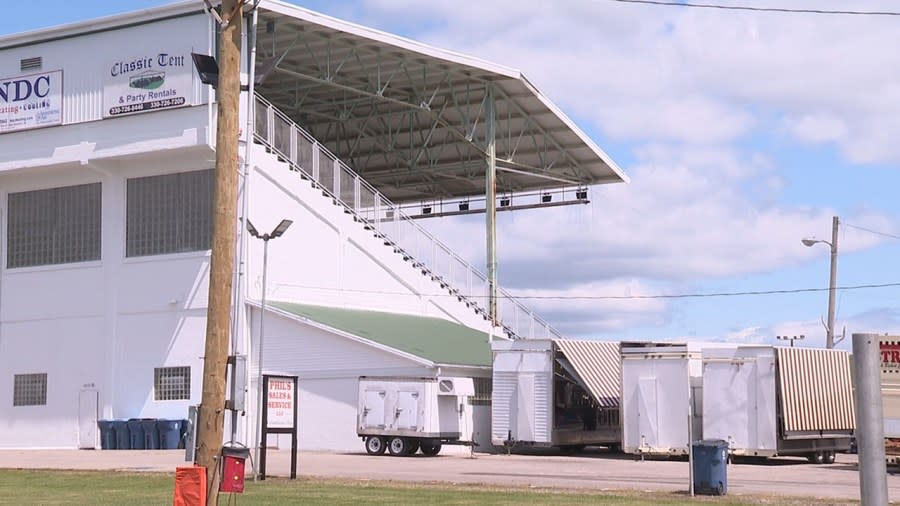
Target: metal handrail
{"type": "Point", "coordinates": [292, 143]}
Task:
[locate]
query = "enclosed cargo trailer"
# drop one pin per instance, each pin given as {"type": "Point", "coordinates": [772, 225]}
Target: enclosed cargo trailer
{"type": "Point", "coordinates": [555, 393]}
{"type": "Point", "coordinates": [403, 415]}
{"type": "Point", "coordinates": [660, 408]}
{"type": "Point", "coordinates": [768, 401]}
{"type": "Point", "coordinates": [890, 396]}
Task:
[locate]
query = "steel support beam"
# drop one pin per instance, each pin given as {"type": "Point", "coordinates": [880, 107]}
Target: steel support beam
{"type": "Point", "coordinates": [491, 203]}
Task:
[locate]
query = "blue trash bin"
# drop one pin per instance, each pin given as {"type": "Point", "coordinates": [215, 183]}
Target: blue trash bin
{"type": "Point", "coordinates": [151, 434]}
{"type": "Point", "coordinates": [169, 434]}
{"type": "Point", "coordinates": [137, 434]}
{"type": "Point", "coordinates": [710, 467]}
{"type": "Point", "coordinates": [107, 435]}
{"type": "Point", "coordinates": [123, 438]}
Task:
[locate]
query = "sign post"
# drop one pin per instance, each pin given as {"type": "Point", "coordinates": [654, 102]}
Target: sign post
{"type": "Point", "coordinates": [279, 416]}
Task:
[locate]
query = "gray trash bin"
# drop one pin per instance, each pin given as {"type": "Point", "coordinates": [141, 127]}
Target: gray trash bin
{"type": "Point", "coordinates": [710, 466]}
{"type": "Point", "coordinates": [151, 434]}
{"type": "Point", "coordinates": [169, 434]}
{"type": "Point", "coordinates": [136, 430]}
{"type": "Point", "coordinates": [107, 435]}
{"type": "Point", "coordinates": [123, 438]}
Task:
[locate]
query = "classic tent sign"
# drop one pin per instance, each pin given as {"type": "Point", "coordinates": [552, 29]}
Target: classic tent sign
{"type": "Point", "coordinates": [31, 101]}
{"type": "Point", "coordinates": [150, 82]}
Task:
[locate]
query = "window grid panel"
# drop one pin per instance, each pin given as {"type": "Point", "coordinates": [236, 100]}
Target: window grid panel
{"type": "Point", "coordinates": [30, 389]}
{"type": "Point", "coordinates": [172, 383]}
{"type": "Point", "coordinates": [483, 392]}
{"type": "Point", "coordinates": [170, 213]}
{"type": "Point", "coordinates": [54, 226]}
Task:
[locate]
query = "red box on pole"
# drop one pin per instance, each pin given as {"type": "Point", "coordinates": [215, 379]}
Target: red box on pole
{"type": "Point", "coordinates": [233, 460]}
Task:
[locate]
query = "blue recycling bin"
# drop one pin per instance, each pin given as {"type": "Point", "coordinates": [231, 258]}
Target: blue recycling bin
{"type": "Point", "coordinates": [710, 466]}
{"type": "Point", "coordinates": [151, 434]}
{"type": "Point", "coordinates": [107, 435]}
{"type": "Point", "coordinates": [169, 434]}
{"type": "Point", "coordinates": [136, 430]}
{"type": "Point", "coordinates": [123, 438]}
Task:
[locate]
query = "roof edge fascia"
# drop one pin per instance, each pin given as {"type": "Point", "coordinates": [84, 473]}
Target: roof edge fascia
{"type": "Point", "coordinates": [100, 24]}
{"type": "Point", "coordinates": [353, 337]}
{"type": "Point", "coordinates": [318, 18]}
{"type": "Point", "coordinates": [578, 131]}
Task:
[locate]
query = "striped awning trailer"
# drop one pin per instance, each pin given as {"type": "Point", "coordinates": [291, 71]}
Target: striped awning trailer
{"type": "Point", "coordinates": [816, 392]}
{"type": "Point", "coordinates": [598, 366]}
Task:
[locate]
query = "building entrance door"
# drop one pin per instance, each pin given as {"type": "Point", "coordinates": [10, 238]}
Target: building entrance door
{"type": "Point", "coordinates": [87, 419]}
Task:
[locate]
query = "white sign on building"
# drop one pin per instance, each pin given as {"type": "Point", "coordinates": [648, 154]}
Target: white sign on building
{"type": "Point", "coordinates": [280, 403]}
{"type": "Point", "coordinates": [31, 101]}
{"type": "Point", "coordinates": [149, 82]}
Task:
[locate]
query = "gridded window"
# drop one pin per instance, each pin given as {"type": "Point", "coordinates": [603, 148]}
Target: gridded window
{"type": "Point", "coordinates": [171, 383]}
{"type": "Point", "coordinates": [170, 213]}
{"type": "Point", "coordinates": [30, 389]}
{"type": "Point", "coordinates": [483, 390]}
{"type": "Point", "coordinates": [54, 226]}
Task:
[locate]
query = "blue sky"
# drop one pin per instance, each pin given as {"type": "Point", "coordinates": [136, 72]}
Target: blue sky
{"type": "Point", "coordinates": [742, 133]}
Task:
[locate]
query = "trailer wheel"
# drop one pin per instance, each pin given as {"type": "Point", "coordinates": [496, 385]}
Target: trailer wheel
{"type": "Point", "coordinates": [398, 446]}
{"type": "Point", "coordinates": [816, 457]}
{"type": "Point", "coordinates": [375, 445]}
{"type": "Point", "coordinates": [430, 448]}
{"type": "Point", "coordinates": [413, 446]}
{"type": "Point", "coordinates": [829, 457]}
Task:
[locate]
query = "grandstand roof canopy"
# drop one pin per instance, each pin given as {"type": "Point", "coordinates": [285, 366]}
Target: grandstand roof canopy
{"type": "Point", "coordinates": [410, 118]}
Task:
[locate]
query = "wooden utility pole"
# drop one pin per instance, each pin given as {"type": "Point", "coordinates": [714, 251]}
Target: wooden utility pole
{"type": "Point", "coordinates": [221, 270]}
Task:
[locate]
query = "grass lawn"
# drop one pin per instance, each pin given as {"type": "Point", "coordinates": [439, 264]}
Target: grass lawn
{"type": "Point", "coordinates": [101, 488]}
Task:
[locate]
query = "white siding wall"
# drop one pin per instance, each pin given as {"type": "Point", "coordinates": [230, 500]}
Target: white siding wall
{"type": "Point", "coordinates": [104, 324]}
{"type": "Point", "coordinates": [85, 62]}
{"type": "Point", "coordinates": [329, 367]}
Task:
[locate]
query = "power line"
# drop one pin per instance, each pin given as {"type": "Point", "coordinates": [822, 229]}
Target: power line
{"type": "Point", "coordinates": [613, 297]}
{"type": "Point", "coordinates": [869, 230]}
{"type": "Point", "coordinates": [758, 9]}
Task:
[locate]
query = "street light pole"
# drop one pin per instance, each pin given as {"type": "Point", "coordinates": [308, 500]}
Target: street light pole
{"type": "Point", "coordinates": [829, 340]}
{"type": "Point", "coordinates": [832, 282]}
{"type": "Point", "coordinates": [279, 230]}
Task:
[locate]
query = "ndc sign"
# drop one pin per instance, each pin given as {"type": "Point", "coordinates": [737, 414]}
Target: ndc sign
{"type": "Point", "coordinates": [31, 101]}
{"type": "Point", "coordinates": [19, 90]}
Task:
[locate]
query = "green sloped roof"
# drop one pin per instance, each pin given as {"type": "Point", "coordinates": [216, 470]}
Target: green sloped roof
{"type": "Point", "coordinates": [434, 339]}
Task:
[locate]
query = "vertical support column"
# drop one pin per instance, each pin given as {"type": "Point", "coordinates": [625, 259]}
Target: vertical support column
{"type": "Point", "coordinates": [869, 420]}
{"type": "Point", "coordinates": [491, 202]}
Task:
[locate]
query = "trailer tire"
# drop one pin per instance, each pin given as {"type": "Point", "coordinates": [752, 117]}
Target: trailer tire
{"type": "Point", "coordinates": [829, 457]}
{"type": "Point", "coordinates": [375, 445]}
{"type": "Point", "coordinates": [430, 448]}
{"type": "Point", "coordinates": [816, 457]}
{"type": "Point", "coordinates": [398, 446]}
{"type": "Point", "coordinates": [413, 446]}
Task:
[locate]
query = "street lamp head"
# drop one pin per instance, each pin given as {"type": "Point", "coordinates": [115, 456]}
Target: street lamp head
{"type": "Point", "coordinates": [809, 242]}
{"type": "Point", "coordinates": [252, 229]}
{"type": "Point", "coordinates": [279, 230]}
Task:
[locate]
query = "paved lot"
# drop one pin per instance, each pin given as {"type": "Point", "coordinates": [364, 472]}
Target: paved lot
{"type": "Point", "coordinates": [597, 471]}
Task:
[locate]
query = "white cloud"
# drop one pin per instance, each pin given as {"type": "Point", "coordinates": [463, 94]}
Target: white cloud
{"type": "Point", "coordinates": [691, 75]}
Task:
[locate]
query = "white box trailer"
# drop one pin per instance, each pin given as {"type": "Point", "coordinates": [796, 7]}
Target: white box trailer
{"type": "Point", "coordinates": [767, 401]}
{"type": "Point", "coordinates": [562, 393]}
{"type": "Point", "coordinates": [660, 382]}
{"type": "Point", "coordinates": [402, 415]}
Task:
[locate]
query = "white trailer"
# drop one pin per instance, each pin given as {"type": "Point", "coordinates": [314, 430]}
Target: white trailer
{"type": "Point", "coordinates": [660, 392]}
{"type": "Point", "coordinates": [560, 392]}
{"type": "Point", "coordinates": [768, 401]}
{"type": "Point", "coordinates": [403, 415]}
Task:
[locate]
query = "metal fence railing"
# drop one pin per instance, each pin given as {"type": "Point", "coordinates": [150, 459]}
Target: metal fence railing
{"type": "Point", "coordinates": [304, 154]}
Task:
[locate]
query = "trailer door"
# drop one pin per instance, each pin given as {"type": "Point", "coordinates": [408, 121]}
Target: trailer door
{"type": "Point", "coordinates": [407, 410]}
{"type": "Point", "coordinates": [373, 409]}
